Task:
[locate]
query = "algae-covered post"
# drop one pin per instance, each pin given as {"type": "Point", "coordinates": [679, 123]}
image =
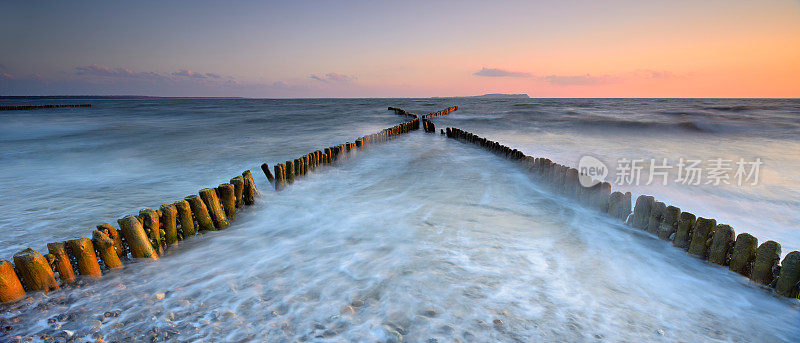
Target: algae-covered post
{"type": "Point", "coordinates": [185, 218]}
{"type": "Point", "coordinates": [744, 253]}
{"type": "Point", "coordinates": [105, 250]}
{"type": "Point", "coordinates": [249, 192]}
{"type": "Point", "coordinates": [152, 226]}
{"type": "Point", "coordinates": [10, 285]}
{"type": "Point", "coordinates": [238, 187]}
{"type": "Point", "coordinates": [265, 169]}
{"type": "Point", "coordinates": [204, 222]}
{"type": "Point", "coordinates": [766, 261]}
{"type": "Point", "coordinates": [116, 236]}
{"type": "Point", "coordinates": [721, 245]}
{"type": "Point", "coordinates": [789, 279]}
{"type": "Point", "coordinates": [227, 196]}
{"type": "Point", "coordinates": [214, 207]}
{"type": "Point", "coordinates": [62, 262]}
{"type": "Point", "coordinates": [169, 223]}
{"type": "Point", "coordinates": [137, 240]}
{"type": "Point", "coordinates": [34, 271]}
{"type": "Point", "coordinates": [82, 250]}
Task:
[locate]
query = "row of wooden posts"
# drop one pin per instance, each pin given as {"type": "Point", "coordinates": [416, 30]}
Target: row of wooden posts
{"type": "Point", "coordinates": [34, 107]}
{"type": "Point", "coordinates": [147, 235]}
{"type": "Point", "coordinates": [700, 237]}
{"type": "Point", "coordinates": [143, 236]}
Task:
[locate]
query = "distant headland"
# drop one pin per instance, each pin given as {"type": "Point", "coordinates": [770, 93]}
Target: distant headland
{"type": "Point", "coordinates": [501, 96]}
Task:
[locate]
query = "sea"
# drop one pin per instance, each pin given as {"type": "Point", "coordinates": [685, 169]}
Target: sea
{"type": "Point", "coordinates": [419, 239]}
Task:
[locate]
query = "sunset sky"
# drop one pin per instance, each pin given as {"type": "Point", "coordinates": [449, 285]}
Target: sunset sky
{"type": "Point", "coordinates": [710, 48]}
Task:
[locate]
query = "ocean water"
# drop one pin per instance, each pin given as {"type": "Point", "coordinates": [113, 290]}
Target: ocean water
{"type": "Point", "coordinates": [418, 239]}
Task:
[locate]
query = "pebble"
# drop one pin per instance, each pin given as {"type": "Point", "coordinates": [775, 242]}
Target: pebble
{"type": "Point", "coordinates": [430, 313]}
{"type": "Point", "coordinates": [497, 321]}
{"type": "Point", "coordinates": [348, 310]}
{"type": "Point", "coordinates": [661, 332]}
{"type": "Point", "coordinates": [160, 296]}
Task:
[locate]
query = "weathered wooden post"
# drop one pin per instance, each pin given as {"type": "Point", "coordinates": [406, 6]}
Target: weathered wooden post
{"type": "Point", "coordinates": [137, 240]}
{"type": "Point", "coordinates": [34, 271]}
{"type": "Point", "coordinates": [185, 218]}
{"type": "Point", "coordinates": [152, 226]}
{"type": "Point", "coordinates": [787, 284]}
{"type": "Point", "coordinates": [289, 171]}
{"type": "Point", "coordinates": [105, 249]}
{"type": "Point", "coordinates": [214, 207]}
{"type": "Point", "coordinates": [116, 236]}
{"type": "Point", "coordinates": [683, 235]}
{"type": "Point", "coordinates": [669, 222]}
{"type": "Point", "coordinates": [62, 263]}
{"type": "Point", "coordinates": [280, 178]}
{"type": "Point", "coordinates": [204, 222]}
{"type": "Point", "coordinates": [721, 245]}
{"type": "Point", "coordinates": [767, 256]}
{"type": "Point", "coordinates": [265, 169]}
{"type": "Point", "coordinates": [10, 287]}
{"type": "Point", "coordinates": [656, 216]}
{"type": "Point", "coordinates": [249, 192]}
{"type": "Point", "coordinates": [744, 253]}
{"type": "Point", "coordinates": [82, 250]}
{"type": "Point", "coordinates": [169, 223]}
{"type": "Point", "coordinates": [238, 187]}
{"type": "Point", "coordinates": [227, 196]}
{"type": "Point", "coordinates": [641, 211]}
{"type": "Point", "coordinates": [701, 236]}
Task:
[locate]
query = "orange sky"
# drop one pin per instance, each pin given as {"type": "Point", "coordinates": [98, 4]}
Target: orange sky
{"type": "Point", "coordinates": [615, 48]}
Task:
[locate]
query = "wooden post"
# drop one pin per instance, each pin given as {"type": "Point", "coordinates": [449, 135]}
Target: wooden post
{"type": "Point", "coordinates": [169, 223]}
{"type": "Point", "coordinates": [683, 235]}
{"type": "Point", "coordinates": [701, 236]}
{"type": "Point", "coordinates": [105, 248]}
{"type": "Point", "coordinates": [280, 178]}
{"type": "Point", "coordinates": [138, 242]}
{"type": "Point", "coordinates": [62, 262]}
{"type": "Point", "coordinates": [669, 222]}
{"type": "Point", "coordinates": [238, 187]}
{"type": "Point", "coordinates": [214, 207]}
{"type": "Point", "coordinates": [265, 169]}
{"type": "Point", "coordinates": [204, 222]}
{"type": "Point", "coordinates": [152, 226]}
{"type": "Point", "coordinates": [787, 284]}
{"type": "Point", "coordinates": [744, 253]}
{"type": "Point", "coordinates": [185, 218]}
{"type": "Point", "coordinates": [82, 250]}
{"type": "Point", "coordinates": [249, 192]}
{"type": "Point", "coordinates": [767, 256]}
{"type": "Point", "coordinates": [10, 287]}
{"type": "Point", "coordinates": [289, 171]}
{"type": "Point", "coordinates": [641, 212]}
{"type": "Point", "coordinates": [116, 236]}
{"type": "Point", "coordinates": [719, 251]}
{"type": "Point", "coordinates": [656, 216]}
{"type": "Point", "coordinates": [34, 271]}
{"type": "Point", "coordinates": [227, 196]}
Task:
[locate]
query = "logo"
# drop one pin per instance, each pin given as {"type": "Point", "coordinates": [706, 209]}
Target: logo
{"type": "Point", "coordinates": [591, 171]}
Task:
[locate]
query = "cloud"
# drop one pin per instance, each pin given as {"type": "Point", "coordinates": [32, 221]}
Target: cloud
{"type": "Point", "coordinates": [96, 70]}
{"type": "Point", "coordinates": [191, 74]}
{"type": "Point", "coordinates": [494, 72]}
{"type": "Point", "coordinates": [4, 75]}
{"type": "Point", "coordinates": [333, 77]}
{"type": "Point", "coordinates": [578, 80]}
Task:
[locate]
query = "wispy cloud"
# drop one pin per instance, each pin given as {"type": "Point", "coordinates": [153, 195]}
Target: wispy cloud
{"type": "Point", "coordinates": [195, 75]}
{"type": "Point", "coordinates": [578, 80]}
{"type": "Point", "coordinates": [494, 72]}
{"type": "Point", "coordinates": [333, 77]}
{"type": "Point", "coordinates": [103, 71]}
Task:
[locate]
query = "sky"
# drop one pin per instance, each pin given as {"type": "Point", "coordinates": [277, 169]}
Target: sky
{"type": "Point", "coordinates": [301, 49]}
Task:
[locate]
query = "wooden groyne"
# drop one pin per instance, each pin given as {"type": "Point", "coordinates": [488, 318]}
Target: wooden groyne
{"type": "Point", "coordinates": [698, 236]}
{"type": "Point", "coordinates": [147, 235]}
{"type": "Point", "coordinates": [36, 107]}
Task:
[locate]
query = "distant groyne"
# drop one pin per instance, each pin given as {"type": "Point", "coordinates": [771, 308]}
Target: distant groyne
{"type": "Point", "coordinates": [36, 107]}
